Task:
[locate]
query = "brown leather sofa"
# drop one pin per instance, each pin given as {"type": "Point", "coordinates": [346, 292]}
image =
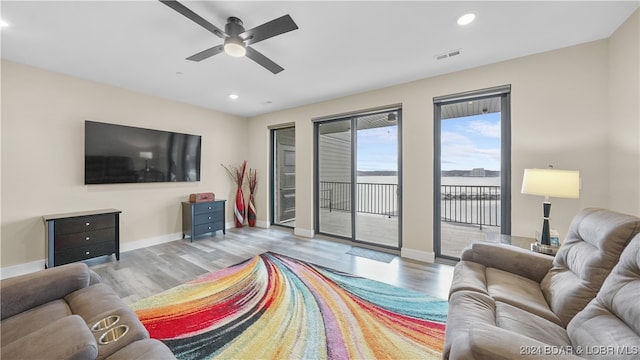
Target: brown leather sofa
{"type": "Point", "coordinates": [510, 303]}
{"type": "Point", "coordinates": [51, 314]}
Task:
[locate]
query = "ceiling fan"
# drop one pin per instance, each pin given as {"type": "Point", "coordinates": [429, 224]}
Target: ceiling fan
{"type": "Point", "coordinates": [236, 38]}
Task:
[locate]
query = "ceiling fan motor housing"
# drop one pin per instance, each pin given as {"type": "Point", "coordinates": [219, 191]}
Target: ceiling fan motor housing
{"type": "Point", "coordinates": [234, 26]}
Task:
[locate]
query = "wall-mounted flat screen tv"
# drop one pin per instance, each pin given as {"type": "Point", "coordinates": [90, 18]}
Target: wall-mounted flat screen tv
{"type": "Point", "coordinates": [126, 154]}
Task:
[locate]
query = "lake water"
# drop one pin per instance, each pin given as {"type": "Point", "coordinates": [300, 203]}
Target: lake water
{"type": "Point", "coordinates": [446, 180]}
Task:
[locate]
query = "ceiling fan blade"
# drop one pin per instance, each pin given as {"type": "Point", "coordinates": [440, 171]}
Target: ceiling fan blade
{"type": "Point", "coordinates": [269, 29]}
{"type": "Point", "coordinates": [263, 60]}
{"type": "Point", "coordinates": [194, 17]}
{"type": "Point", "coordinates": [206, 53]}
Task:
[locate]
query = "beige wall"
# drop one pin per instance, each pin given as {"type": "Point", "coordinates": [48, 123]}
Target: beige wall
{"type": "Point", "coordinates": [575, 108]}
{"type": "Point", "coordinates": [624, 116]}
{"type": "Point", "coordinates": [43, 117]}
{"type": "Point", "coordinates": [559, 114]}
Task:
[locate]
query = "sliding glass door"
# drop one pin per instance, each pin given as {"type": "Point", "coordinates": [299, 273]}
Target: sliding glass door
{"type": "Point", "coordinates": [357, 181]}
{"type": "Point", "coordinates": [471, 169]}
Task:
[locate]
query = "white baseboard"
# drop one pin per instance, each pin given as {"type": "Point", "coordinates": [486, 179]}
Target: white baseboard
{"type": "Point", "coordinates": [303, 232]}
{"type": "Point", "coordinates": [21, 269]}
{"type": "Point", "coordinates": [156, 240]}
{"type": "Point", "coordinates": [419, 255]}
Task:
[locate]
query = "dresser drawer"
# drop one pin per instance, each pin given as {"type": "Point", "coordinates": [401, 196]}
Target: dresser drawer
{"type": "Point", "coordinates": [84, 252]}
{"type": "Point", "coordinates": [85, 238]}
{"type": "Point", "coordinates": [84, 223]}
{"type": "Point", "coordinates": [207, 207]}
{"type": "Point", "coordinates": [205, 218]}
{"type": "Point", "coordinates": [207, 228]}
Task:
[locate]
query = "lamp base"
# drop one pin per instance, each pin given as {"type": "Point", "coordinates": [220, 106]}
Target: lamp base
{"type": "Point", "coordinates": [546, 233]}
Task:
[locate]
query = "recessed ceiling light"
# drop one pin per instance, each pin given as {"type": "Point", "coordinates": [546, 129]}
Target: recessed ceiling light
{"type": "Point", "coordinates": [233, 96]}
{"type": "Point", "coordinates": [466, 19]}
{"type": "Point", "coordinates": [3, 23]}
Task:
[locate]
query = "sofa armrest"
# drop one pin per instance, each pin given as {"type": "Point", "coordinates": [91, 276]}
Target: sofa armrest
{"type": "Point", "coordinates": [492, 343]}
{"type": "Point", "coordinates": [25, 292]}
{"type": "Point", "coordinates": [509, 258]}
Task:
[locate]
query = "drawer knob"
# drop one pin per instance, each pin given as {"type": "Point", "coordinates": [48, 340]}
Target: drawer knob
{"type": "Point", "coordinates": [87, 238]}
{"type": "Point", "coordinates": [209, 217]}
{"type": "Point", "coordinates": [87, 223]}
{"type": "Point", "coordinates": [209, 207]}
{"type": "Point", "coordinates": [209, 227]}
{"type": "Point", "coordinates": [87, 253]}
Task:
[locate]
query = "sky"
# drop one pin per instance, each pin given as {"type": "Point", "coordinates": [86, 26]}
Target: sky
{"type": "Point", "coordinates": [471, 142]}
{"type": "Point", "coordinates": [467, 143]}
{"type": "Point", "coordinates": [378, 149]}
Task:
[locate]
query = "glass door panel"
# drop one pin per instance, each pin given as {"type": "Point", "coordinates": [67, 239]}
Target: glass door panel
{"type": "Point", "coordinates": [334, 178]}
{"type": "Point", "coordinates": [376, 192]}
{"type": "Point", "coordinates": [284, 173]}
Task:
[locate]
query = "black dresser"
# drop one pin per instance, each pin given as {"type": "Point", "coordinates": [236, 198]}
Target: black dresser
{"type": "Point", "coordinates": [72, 237]}
{"type": "Point", "coordinates": [202, 218]}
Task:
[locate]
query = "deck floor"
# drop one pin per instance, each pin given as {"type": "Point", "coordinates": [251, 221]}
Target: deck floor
{"type": "Point", "coordinates": [383, 230]}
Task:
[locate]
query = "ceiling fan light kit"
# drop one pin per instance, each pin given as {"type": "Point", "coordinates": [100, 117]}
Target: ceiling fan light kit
{"type": "Point", "coordinates": [234, 47]}
{"type": "Point", "coordinates": [236, 38]}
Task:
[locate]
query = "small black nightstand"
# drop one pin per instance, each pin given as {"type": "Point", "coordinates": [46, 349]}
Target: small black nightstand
{"type": "Point", "coordinates": [203, 218]}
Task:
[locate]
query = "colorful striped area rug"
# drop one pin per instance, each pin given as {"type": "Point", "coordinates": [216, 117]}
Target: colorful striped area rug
{"type": "Point", "coordinates": [276, 307]}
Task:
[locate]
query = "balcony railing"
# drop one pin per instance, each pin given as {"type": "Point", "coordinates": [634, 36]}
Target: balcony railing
{"type": "Point", "coordinates": [470, 204]}
{"type": "Point", "coordinates": [462, 204]}
{"type": "Point", "coordinates": [371, 198]}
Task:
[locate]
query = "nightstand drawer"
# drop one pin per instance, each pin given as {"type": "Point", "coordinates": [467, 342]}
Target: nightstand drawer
{"type": "Point", "coordinates": [84, 223]}
{"type": "Point", "coordinates": [205, 218]}
{"type": "Point", "coordinates": [207, 228]}
{"type": "Point", "coordinates": [207, 207]}
{"type": "Point", "coordinates": [86, 238]}
{"type": "Point", "coordinates": [84, 252]}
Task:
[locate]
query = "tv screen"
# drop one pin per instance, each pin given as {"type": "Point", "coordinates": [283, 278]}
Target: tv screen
{"type": "Point", "coordinates": [126, 154]}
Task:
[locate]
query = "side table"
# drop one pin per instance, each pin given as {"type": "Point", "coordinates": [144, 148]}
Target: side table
{"type": "Point", "coordinates": [203, 218]}
{"type": "Point", "coordinates": [523, 242]}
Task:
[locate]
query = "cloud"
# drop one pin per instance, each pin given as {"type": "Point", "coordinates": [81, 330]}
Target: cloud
{"type": "Point", "coordinates": [459, 152]}
{"type": "Point", "coordinates": [484, 128]}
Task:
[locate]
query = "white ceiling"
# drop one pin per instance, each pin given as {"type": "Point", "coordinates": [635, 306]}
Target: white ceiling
{"type": "Point", "coordinates": [340, 48]}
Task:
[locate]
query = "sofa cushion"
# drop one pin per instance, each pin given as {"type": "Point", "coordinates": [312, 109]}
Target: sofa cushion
{"type": "Point", "coordinates": [520, 321]}
{"type": "Point", "coordinates": [520, 292]}
{"type": "Point", "coordinates": [502, 286]}
{"type": "Point", "coordinates": [484, 342]}
{"type": "Point", "coordinates": [66, 338]}
{"type": "Point", "coordinates": [144, 350]}
{"type": "Point", "coordinates": [22, 324]}
{"type": "Point", "coordinates": [612, 319]}
{"type": "Point", "coordinates": [592, 247]}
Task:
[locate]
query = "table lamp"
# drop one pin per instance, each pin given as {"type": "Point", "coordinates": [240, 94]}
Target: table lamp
{"type": "Point", "coordinates": [550, 183]}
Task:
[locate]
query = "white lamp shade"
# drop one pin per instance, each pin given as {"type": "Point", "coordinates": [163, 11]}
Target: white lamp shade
{"type": "Point", "coordinates": [551, 183]}
{"type": "Point", "coordinates": [146, 155]}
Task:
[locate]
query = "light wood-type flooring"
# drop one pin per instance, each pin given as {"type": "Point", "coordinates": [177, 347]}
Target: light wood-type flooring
{"type": "Point", "coordinates": [144, 272]}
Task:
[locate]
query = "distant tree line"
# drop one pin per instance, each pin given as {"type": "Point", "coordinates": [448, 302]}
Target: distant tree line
{"type": "Point", "coordinates": [487, 173]}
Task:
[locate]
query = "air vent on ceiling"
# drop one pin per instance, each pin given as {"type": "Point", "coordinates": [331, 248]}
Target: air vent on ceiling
{"type": "Point", "coordinates": [448, 54]}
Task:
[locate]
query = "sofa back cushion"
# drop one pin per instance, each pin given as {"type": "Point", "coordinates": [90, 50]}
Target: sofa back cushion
{"type": "Point", "coordinates": [591, 249]}
{"type": "Point", "coordinates": [610, 323]}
